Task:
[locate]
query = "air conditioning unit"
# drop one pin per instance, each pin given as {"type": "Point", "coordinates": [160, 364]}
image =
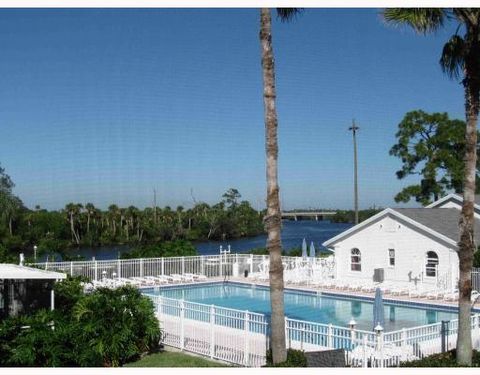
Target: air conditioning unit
{"type": "Point", "coordinates": [378, 275]}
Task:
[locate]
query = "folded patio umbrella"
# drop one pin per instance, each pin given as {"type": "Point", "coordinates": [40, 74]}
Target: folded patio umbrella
{"type": "Point", "coordinates": [304, 249]}
{"type": "Point", "coordinates": [378, 309]}
{"type": "Point", "coordinates": [312, 250]}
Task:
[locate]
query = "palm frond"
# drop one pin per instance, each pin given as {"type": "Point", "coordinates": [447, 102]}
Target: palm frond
{"type": "Point", "coordinates": [422, 20]}
{"type": "Point", "coordinates": [287, 14]}
{"type": "Point", "coordinates": [453, 57]}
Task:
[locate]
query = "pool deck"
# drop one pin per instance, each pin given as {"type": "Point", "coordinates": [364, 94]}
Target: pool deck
{"type": "Point", "coordinates": [357, 294]}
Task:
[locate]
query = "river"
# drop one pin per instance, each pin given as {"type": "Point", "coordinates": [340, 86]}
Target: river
{"type": "Point", "coordinates": [293, 233]}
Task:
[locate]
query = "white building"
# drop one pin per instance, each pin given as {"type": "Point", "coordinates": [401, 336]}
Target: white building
{"type": "Point", "coordinates": [406, 245]}
{"type": "Point", "coordinates": [25, 289]}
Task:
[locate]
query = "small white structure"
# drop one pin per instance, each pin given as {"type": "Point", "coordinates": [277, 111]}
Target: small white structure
{"type": "Point", "coordinates": [406, 245]}
{"type": "Point", "coordinates": [23, 288]}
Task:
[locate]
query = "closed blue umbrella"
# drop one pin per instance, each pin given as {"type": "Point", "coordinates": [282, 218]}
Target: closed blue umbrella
{"type": "Point", "coordinates": [312, 250]}
{"type": "Point", "coordinates": [378, 310]}
{"type": "Point", "coordinates": [304, 248]}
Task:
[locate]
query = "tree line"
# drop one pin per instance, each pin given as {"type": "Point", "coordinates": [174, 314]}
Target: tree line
{"type": "Point", "coordinates": [80, 224]}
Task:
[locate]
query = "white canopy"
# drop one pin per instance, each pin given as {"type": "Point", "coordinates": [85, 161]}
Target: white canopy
{"type": "Point", "coordinates": [13, 271]}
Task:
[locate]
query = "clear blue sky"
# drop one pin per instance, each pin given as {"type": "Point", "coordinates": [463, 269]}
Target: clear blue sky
{"type": "Point", "coordinates": [103, 105]}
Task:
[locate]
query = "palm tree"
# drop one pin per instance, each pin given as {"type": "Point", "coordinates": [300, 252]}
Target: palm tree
{"type": "Point", "coordinates": [273, 219]}
{"type": "Point", "coordinates": [73, 210]}
{"type": "Point", "coordinates": [460, 59]}
{"type": "Point", "coordinates": [90, 210]}
{"type": "Point", "coordinates": [113, 212]}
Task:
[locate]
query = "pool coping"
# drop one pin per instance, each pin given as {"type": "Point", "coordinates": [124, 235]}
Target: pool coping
{"type": "Point", "coordinates": [387, 300]}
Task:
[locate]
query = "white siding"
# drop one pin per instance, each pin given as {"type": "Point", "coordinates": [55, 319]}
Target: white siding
{"type": "Point", "coordinates": [410, 252]}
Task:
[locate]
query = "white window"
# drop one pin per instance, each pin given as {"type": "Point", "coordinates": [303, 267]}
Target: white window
{"type": "Point", "coordinates": [431, 264]}
{"type": "Point", "coordinates": [391, 257]}
{"type": "Point", "coordinates": [356, 260]}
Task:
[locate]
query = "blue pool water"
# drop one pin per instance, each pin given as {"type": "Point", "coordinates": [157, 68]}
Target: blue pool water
{"type": "Point", "coordinates": [337, 310]}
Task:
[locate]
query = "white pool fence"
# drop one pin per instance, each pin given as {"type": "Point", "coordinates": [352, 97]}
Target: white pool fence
{"type": "Point", "coordinates": [242, 337]}
{"type": "Point", "coordinates": [209, 265]}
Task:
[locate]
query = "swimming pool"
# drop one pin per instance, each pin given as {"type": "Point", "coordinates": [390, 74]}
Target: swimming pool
{"type": "Point", "coordinates": [308, 306]}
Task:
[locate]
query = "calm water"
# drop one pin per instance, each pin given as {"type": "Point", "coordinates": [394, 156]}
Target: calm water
{"type": "Point", "coordinates": [321, 309]}
{"type": "Point", "coordinates": [293, 232]}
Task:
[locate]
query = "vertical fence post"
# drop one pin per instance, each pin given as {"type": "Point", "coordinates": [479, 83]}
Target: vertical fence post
{"type": "Point", "coordinates": [251, 263]}
{"type": "Point", "coordinates": [119, 268]}
{"type": "Point", "coordinates": [329, 336]}
{"type": "Point", "coordinates": [364, 357]}
{"type": "Point", "coordinates": [202, 265]}
{"type": "Point", "coordinates": [71, 268]}
{"type": "Point", "coordinates": [212, 331]}
{"type": "Point", "coordinates": [182, 324]}
{"type": "Point", "coordinates": [220, 266]}
{"type": "Point", "coordinates": [477, 328]}
{"type": "Point", "coordinates": [404, 338]}
{"type": "Point", "coordinates": [96, 271]}
{"type": "Point", "coordinates": [141, 267]}
{"type": "Point", "coordinates": [353, 335]}
{"type": "Point", "coordinates": [247, 338]}
{"type": "Point", "coordinates": [163, 266]}
{"type": "Point", "coordinates": [287, 336]}
{"type": "Point", "coordinates": [444, 335]}
{"type": "Point", "coordinates": [183, 265]}
{"type": "Point", "coordinates": [379, 338]}
{"type": "Point", "coordinates": [159, 306]}
{"type": "Point", "coordinates": [302, 334]}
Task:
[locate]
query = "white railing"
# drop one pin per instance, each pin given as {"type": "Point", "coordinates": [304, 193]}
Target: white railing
{"type": "Point", "coordinates": [235, 336]}
{"type": "Point", "coordinates": [208, 265]}
{"type": "Point", "coordinates": [242, 337]}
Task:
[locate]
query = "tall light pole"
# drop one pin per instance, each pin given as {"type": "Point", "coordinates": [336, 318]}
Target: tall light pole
{"type": "Point", "coordinates": [354, 129]}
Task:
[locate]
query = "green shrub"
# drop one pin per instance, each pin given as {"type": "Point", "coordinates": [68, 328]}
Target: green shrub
{"type": "Point", "coordinates": [7, 256]}
{"type": "Point", "coordinates": [447, 359]}
{"type": "Point", "coordinates": [117, 326]}
{"type": "Point", "coordinates": [295, 358]}
{"type": "Point", "coordinates": [476, 259]}
{"type": "Point", "coordinates": [104, 328]}
{"type": "Point", "coordinates": [68, 292]}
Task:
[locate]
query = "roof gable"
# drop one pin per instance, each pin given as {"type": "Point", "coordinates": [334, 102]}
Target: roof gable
{"type": "Point", "coordinates": [441, 223]}
{"type": "Point", "coordinates": [453, 197]}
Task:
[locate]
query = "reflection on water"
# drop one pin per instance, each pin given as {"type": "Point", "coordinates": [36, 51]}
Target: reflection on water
{"type": "Point", "coordinates": [293, 232]}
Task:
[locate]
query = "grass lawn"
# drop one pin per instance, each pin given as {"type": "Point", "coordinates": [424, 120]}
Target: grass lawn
{"type": "Point", "coordinates": [174, 359]}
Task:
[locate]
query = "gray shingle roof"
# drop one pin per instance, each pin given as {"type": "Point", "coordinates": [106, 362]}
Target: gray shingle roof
{"type": "Point", "coordinates": [441, 220]}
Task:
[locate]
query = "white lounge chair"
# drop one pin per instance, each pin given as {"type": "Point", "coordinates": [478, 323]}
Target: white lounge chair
{"type": "Point", "coordinates": [157, 280]}
{"type": "Point", "coordinates": [400, 291]}
{"type": "Point", "coordinates": [196, 277]}
{"type": "Point", "coordinates": [435, 294]}
{"type": "Point", "coordinates": [451, 296]}
{"type": "Point", "coordinates": [143, 281]}
{"type": "Point", "coordinates": [166, 278]}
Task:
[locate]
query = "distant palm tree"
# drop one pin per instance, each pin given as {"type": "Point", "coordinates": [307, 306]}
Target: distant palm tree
{"type": "Point", "coordinates": [273, 221]}
{"type": "Point", "coordinates": [73, 210]}
{"type": "Point", "coordinates": [90, 210]}
{"type": "Point", "coordinates": [460, 59]}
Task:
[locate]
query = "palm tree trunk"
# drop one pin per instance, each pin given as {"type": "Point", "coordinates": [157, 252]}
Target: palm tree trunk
{"type": "Point", "coordinates": [10, 226]}
{"type": "Point", "coordinates": [467, 220]}
{"type": "Point", "coordinates": [273, 216]}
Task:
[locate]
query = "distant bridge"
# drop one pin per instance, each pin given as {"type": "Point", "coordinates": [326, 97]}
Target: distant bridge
{"type": "Point", "coordinates": [317, 215]}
